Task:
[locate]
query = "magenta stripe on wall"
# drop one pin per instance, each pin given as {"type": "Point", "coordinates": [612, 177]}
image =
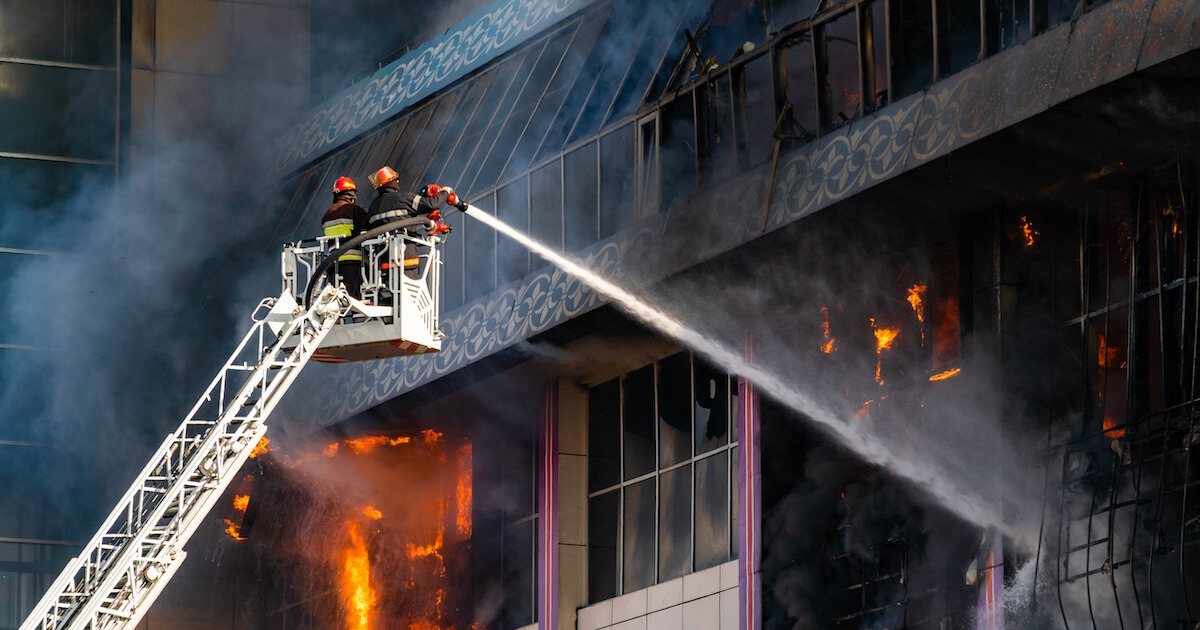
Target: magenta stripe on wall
{"type": "Point", "coordinates": [548, 509]}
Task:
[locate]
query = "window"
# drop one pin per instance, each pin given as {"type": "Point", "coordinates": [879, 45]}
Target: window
{"type": "Point", "coordinates": [837, 62]}
{"type": "Point", "coordinates": [617, 201]}
{"type": "Point", "coordinates": [797, 90]}
{"type": "Point", "coordinates": [714, 113]}
{"type": "Point", "coordinates": [479, 255]}
{"type": "Point", "coordinates": [755, 111]}
{"type": "Point", "coordinates": [911, 45]}
{"type": "Point", "coordinates": [512, 207]}
{"type": "Point", "coordinates": [661, 475]}
{"type": "Point", "coordinates": [958, 30]}
{"type": "Point", "coordinates": [677, 152]}
{"type": "Point", "coordinates": [580, 197]}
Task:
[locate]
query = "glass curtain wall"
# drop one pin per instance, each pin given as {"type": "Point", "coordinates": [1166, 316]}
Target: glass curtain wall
{"type": "Point", "coordinates": [576, 139]}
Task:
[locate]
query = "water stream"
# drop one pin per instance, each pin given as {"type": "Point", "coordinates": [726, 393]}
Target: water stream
{"type": "Point", "coordinates": [941, 485]}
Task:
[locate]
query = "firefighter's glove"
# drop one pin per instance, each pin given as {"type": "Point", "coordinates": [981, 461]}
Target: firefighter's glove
{"type": "Point", "coordinates": [442, 228]}
{"type": "Point", "coordinates": [435, 216]}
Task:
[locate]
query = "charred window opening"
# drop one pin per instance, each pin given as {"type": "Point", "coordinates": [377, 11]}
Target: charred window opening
{"type": "Point", "coordinates": [837, 60]}
{"type": "Point", "coordinates": [754, 108]}
{"type": "Point", "coordinates": [677, 151]}
{"type": "Point", "coordinates": [795, 93]}
{"type": "Point", "coordinates": [959, 35]}
{"type": "Point", "coordinates": [661, 475]}
{"type": "Point", "coordinates": [1007, 23]}
{"type": "Point", "coordinates": [714, 113]}
{"type": "Point", "coordinates": [911, 45]}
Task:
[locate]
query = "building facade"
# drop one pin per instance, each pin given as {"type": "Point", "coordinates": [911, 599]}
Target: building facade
{"type": "Point", "coordinates": [912, 341]}
{"type": "Point", "coordinates": [947, 245]}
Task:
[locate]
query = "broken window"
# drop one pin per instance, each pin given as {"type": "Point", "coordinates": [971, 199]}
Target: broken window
{"type": "Point", "coordinates": [837, 60]}
{"type": "Point", "coordinates": [754, 110]}
{"type": "Point", "coordinates": [677, 152]}
{"type": "Point", "coordinates": [958, 29]}
{"type": "Point", "coordinates": [797, 90]}
{"type": "Point", "coordinates": [1006, 23]}
{"type": "Point", "coordinates": [783, 13]}
{"type": "Point", "coordinates": [714, 108]}
{"type": "Point", "coordinates": [911, 45]}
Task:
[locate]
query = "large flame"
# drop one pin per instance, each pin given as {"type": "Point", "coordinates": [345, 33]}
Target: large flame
{"type": "Point", "coordinates": [884, 338]}
{"type": "Point", "coordinates": [463, 491]}
{"type": "Point", "coordinates": [360, 598]}
{"type": "Point", "coordinates": [915, 299]}
{"type": "Point", "coordinates": [1110, 428]}
{"type": "Point", "coordinates": [369, 443]}
{"type": "Point", "coordinates": [241, 502]}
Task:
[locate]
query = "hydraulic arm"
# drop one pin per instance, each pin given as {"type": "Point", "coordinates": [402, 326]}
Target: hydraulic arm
{"type": "Point", "coordinates": [137, 550]}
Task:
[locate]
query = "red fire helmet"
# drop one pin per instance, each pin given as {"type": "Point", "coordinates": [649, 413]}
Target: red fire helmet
{"type": "Point", "coordinates": [343, 184]}
{"type": "Point", "coordinates": [382, 176]}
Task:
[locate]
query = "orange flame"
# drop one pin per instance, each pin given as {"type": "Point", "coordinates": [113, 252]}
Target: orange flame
{"type": "Point", "coordinates": [463, 492]}
{"type": "Point", "coordinates": [424, 551]}
{"type": "Point", "coordinates": [830, 344]}
{"type": "Point", "coordinates": [371, 512]}
{"type": "Point", "coordinates": [431, 436]}
{"type": "Point", "coordinates": [331, 450]}
{"type": "Point", "coordinates": [241, 502]}
{"type": "Point", "coordinates": [356, 582]}
{"type": "Point", "coordinates": [945, 374]}
{"type": "Point", "coordinates": [884, 338]}
{"type": "Point", "coordinates": [915, 294]}
{"type": "Point", "coordinates": [231, 528]}
{"type": "Point", "coordinates": [1028, 231]}
{"type": "Point", "coordinates": [1110, 429]}
{"type": "Point", "coordinates": [263, 446]}
{"type": "Point", "coordinates": [369, 443]}
{"type": "Point", "coordinates": [1107, 355]}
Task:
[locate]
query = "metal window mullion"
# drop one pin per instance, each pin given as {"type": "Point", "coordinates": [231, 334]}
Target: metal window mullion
{"type": "Point", "coordinates": [620, 542]}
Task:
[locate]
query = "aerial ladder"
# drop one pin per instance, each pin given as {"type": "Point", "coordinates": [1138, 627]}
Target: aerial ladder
{"type": "Point", "coordinates": [113, 582]}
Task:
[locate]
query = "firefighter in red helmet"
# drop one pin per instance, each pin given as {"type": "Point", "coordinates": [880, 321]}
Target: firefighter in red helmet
{"type": "Point", "coordinates": [390, 204]}
{"type": "Point", "coordinates": [346, 219]}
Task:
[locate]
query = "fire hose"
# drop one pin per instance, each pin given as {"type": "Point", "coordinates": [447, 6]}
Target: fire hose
{"type": "Point", "coordinates": [352, 243]}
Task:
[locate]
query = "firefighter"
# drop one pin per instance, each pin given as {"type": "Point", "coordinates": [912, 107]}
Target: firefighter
{"type": "Point", "coordinates": [390, 204]}
{"type": "Point", "coordinates": [346, 219]}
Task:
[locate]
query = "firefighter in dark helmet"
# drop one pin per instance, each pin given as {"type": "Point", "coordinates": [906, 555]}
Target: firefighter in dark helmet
{"type": "Point", "coordinates": [390, 204]}
{"type": "Point", "coordinates": [346, 219]}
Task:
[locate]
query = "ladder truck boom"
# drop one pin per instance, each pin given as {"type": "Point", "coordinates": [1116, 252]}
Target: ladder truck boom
{"type": "Point", "coordinates": [121, 571]}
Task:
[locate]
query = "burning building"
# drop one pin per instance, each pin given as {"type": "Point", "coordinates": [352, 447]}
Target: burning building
{"type": "Point", "coordinates": [928, 274]}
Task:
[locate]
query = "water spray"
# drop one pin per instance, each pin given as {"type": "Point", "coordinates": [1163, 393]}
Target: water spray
{"type": "Point", "coordinates": [934, 482]}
